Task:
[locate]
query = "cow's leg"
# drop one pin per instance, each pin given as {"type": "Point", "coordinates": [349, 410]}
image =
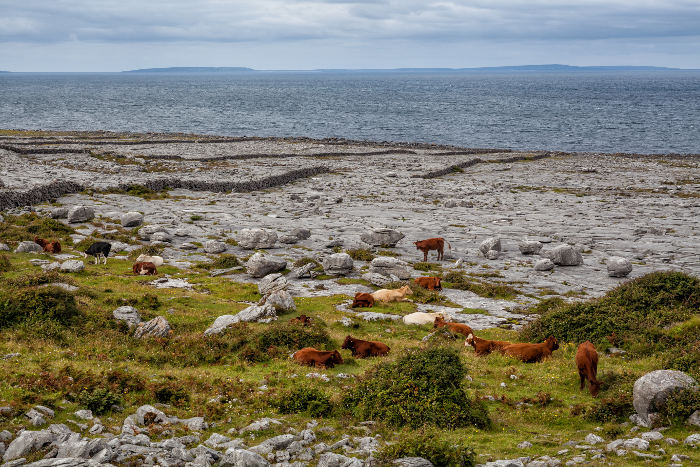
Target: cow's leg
{"type": "Point", "coordinates": [425, 256]}
{"type": "Point", "coordinates": [582, 375]}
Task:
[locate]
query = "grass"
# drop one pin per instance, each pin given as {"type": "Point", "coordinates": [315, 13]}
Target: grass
{"type": "Point", "coordinates": [461, 281]}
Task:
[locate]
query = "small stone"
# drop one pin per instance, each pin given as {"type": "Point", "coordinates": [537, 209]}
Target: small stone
{"type": "Point", "coordinates": [565, 255]}
{"type": "Point", "coordinates": [618, 266]}
{"type": "Point", "coordinates": [131, 219]}
{"type": "Point", "coordinates": [525, 445]}
{"type": "Point", "coordinates": [692, 440]}
{"type": "Point", "coordinates": [260, 265]}
{"type": "Point", "coordinates": [652, 436]}
{"type": "Point", "coordinates": [382, 237]}
{"type": "Point", "coordinates": [544, 264]}
{"type": "Point", "coordinates": [129, 314]}
{"type": "Point", "coordinates": [84, 414]}
{"type": "Point", "coordinates": [529, 247]}
{"type": "Point", "coordinates": [214, 247]}
{"type": "Point", "coordinates": [157, 327]}
{"type": "Point", "coordinates": [491, 243]}
{"type": "Point", "coordinates": [338, 264]}
{"type": "Point", "coordinates": [594, 439]}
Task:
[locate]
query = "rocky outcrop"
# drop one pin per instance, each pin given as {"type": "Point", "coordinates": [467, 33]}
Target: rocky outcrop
{"type": "Point", "coordinates": [338, 264]}
{"type": "Point", "coordinates": [28, 247]}
{"type": "Point", "coordinates": [272, 283]}
{"type": "Point", "coordinates": [131, 219]}
{"type": "Point", "coordinates": [253, 239]}
{"type": "Point", "coordinates": [157, 327]}
{"type": "Point", "coordinates": [260, 265]}
{"type": "Point", "coordinates": [80, 214]}
{"type": "Point", "coordinates": [565, 255]}
{"type": "Point", "coordinates": [390, 267]}
{"type": "Point", "coordinates": [382, 237]}
{"type": "Point", "coordinates": [651, 390]}
{"type": "Point", "coordinates": [281, 300]}
{"type": "Point", "coordinates": [128, 314]}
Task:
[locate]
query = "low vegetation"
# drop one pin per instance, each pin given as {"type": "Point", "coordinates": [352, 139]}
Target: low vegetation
{"type": "Point", "coordinates": [461, 281]}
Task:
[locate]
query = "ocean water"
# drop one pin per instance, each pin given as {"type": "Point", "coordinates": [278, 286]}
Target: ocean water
{"type": "Point", "coordinates": [644, 112]}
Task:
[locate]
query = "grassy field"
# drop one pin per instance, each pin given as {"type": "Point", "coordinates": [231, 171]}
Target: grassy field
{"type": "Point", "coordinates": [230, 381]}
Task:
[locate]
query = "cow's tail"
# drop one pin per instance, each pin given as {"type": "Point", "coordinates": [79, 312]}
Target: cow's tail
{"type": "Point", "coordinates": [448, 244]}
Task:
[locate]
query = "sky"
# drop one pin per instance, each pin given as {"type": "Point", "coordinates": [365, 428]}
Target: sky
{"type": "Point", "coordinates": [95, 35]}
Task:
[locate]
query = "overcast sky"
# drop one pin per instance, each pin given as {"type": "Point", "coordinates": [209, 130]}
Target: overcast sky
{"type": "Point", "coordinates": [94, 35]}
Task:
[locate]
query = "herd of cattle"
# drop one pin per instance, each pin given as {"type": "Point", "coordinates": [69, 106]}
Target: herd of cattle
{"type": "Point", "coordinates": [586, 355]}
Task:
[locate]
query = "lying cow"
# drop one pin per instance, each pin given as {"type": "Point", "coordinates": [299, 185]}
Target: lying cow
{"type": "Point", "coordinates": [48, 246]}
{"type": "Point", "coordinates": [364, 349]}
{"type": "Point", "coordinates": [437, 243]}
{"type": "Point", "coordinates": [362, 300]}
{"type": "Point", "coordinates": [392, 295]}
{"type": "Point", "coordinates": [484, 346]}
{"type": "Point", "coordinates": [457, 328]}
{"type": "Point", "coordinates": [531, 353]}
{"type": "Point", "coordinates": [301, 319]}
{"type": "Point", "coordinates": [430, 283]}
{"type": "Point", "coordinates": [319, 359]}
{"type": "Point", "coordinates": [145, 268]}
{"type": "Point", "coordinates": [99, 250]}
{"type": "Point", "coordinates": [157, 260]}
{"type": "Point", "coordinates": [421, 318]}
{"type": "Point", "coordinates": [587, 363]}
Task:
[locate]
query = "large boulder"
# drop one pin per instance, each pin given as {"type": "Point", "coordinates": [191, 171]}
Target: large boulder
{"type": "Point", "coordinates": [220, 324]}
{"type": "Point", "coordinates": [382, 237]}
{"type": "Point", "coordinates": [145, 232]}
{"type": "Point", "coordinates": [59, 213]}
{"type": "Point", "coordinates": [128, 314]}
{"type": "Point", "coordinates": [388, 266]}
{"type": "Point", "coordinates": [28, 247]}
{"type": "Point", "coordinates": [337, 264]}
{"type": "Point", "coordinates": [281, 300]}
{"type": "Point", "coordinates": [377, 279]}
{"type": "Point", "coordinates": [651, 390]}
{"type": "Point", "coordinates": [260, 265]}
{"type": "Point", "coordinates": [252, 239]}
{"type": "Point", "coordinates": [242, 458]}
{"type": "Point", "coordinates": [544, 264]}
{"type": "Point", "coordinates": [618, 266]}
{"type": "Point", "coordinates": [214, 246]}
{"type": "Point", "coordinates": [272, 283]}
{"type": "Point", "coordinates": [132, 219]}
{"type": "Point", "coordinates": [331, 459]}
{"type": "Point", "coordinates": [260, 313]}
{"type": "Point", "coordinates": [157, 327]}
{"type": "Point", "coordinates": [80, 214]}
{"type": "Point", "coordinates": [565, 255]}
{"type": "Point", "coordinates": [72, 265]}
{"type": "Point", "coordinates": [490, 244]}
{"type": "Point", "coordinates": [28, 442]}
{"type": "Point", "coordinates": [161, 236]}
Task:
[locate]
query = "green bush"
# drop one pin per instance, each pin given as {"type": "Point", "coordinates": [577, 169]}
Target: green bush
{"type": "Point", "coordinates": [28, 226]}
{"type": "Point", "coordinates": [45, 304]}
{"type": "Point", "coordinates": [636, 312]}
{"type": "Point", "coordinates": [304, 400]}
{"type": "Point", "coordinates": [281, 338]}
{"type": "Point", "coordinates": [680, 405]}
{"type": "Point", "coordinates": [5, 264]}
{"type": "Point", "coordinates": [98, 400]}
{"type": "Point", "coordinates": [360, 254]}
{"type": "Point", "coordinates": [170, 393]}
{"type": "Point", "coordinates": [422, 388]}
{"type": "Point", "coordinates": [430, 446]}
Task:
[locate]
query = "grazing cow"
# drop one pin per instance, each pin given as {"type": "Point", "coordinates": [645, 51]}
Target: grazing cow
{"type": "Point", "coordinates": [364, 349]}
{"type": "Point", "coordinates": [457, 328]}
{"type": "Point", "coordinates": [157, 260]}
{"type": "Point", "coordinates": [420, 318]}
{"type": "Point", "coordinates": [99, 250]}
{"type": "Point", "coordinates": [301, 319]}
{"type": "Point", "coordinates": [362, 300]}
{"type": "Point", "coordinates": [531, 353]}
{"type": "Point", "coordinates": [319, 359]}
{"type": "Point", "coordinates": [437, 243]}
{"type": "Point", "coordinates": [49, 247]}
{"type": "Point", "coordinates": [392, 295]}
{"type": "Point", "coordinates": [430, 283]}
{"type": "Point", "coordinates": [145, 268]}
{"type": "Point", "coordinates": [587, 363]}
{"type": "Point", "coordinates": [484, 346]}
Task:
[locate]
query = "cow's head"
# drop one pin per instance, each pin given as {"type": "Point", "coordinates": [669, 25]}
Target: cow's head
{"type": "Point", "coordinates": [406, 290]}
{"type": "Point", "coordinates": [336, 357]}
{"type": "Point", "coordinates": [348, 343]}
{"type": "Point", "coordinates": [552, 343]}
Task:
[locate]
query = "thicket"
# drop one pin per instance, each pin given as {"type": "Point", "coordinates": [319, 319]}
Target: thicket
{"type": "Point", "coordinates": [310, 401]}
{"type": "Point", "coordinates": [28, 226]}
{"type": "Point", "coordinates": [36, 305]}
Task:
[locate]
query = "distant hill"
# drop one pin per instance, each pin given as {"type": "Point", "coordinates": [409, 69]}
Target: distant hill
{"type": "Point", "coordinates": [516, 68]}
{"type": "Point", "coordinates": [193, 69]}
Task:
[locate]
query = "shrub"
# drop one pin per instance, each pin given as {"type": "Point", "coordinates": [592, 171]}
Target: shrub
{"type": "Point", "coordinates": [422, 388]}
{"type": "Point", "coordinates": [423, 295]}
{"type": "Point", "coordinates": [98, 400]}
{"type": "Point", "coordinates": [42, 305]}
{"type": "Point", "coordinates": [681, 404]}
{"type": "Point", "coordinates": [304, 400]}
{"type": "Point", "coordinates": [27, 226]}
{"type": "Point", "coordinates": [170, 393]}
{"type": "Point", "coordinates": [5, 264]}
{"type": "Point", "coordinates": [615, 403]}
{"type": "Point", "coordinates": [40, 278]}
{"type": "Point", "coordinates": [221, 262]}
{"type": "Point", "coordinates": [360, 254]}
{"type": "Point", "coordinates": [430, 446]}
{"type": "Point", "coordinates": [637, 312]}
{"type": "Point", "coordinates": [281, 338]}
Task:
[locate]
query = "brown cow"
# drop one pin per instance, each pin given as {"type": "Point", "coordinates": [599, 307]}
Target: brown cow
{"type": "Point", "coordinates": [145, 269]}
{"type": "Point", "coordinates": [587, 363]}
{"type": "Point", "coordinates": [319, 359]}
{"type": "Point", "coordinates": [484, 346]}
{"type": "Point", "coordinates": [301, 319]}
{"type": "Point", "coordinates": [531, 353]}
{"type": "Point", "coordinates": [363, 300]}
{"type": "Point", "coordinates": [49, 247]}
{"type": "Point", "coordinates": [457, 328]}
{"type": "Point", "coordinates": [364, 349]}
{"type": "Point", "coordinates": [430, 283]}
{"type": "Point", "coordinates": [437, 243]}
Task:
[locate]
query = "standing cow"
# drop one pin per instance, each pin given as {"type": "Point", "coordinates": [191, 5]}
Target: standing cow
{"type": "Point", "coordinates": [437, 243]}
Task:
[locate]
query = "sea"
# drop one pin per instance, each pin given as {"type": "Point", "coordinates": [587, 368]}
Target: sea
{"type": "Point", "coordinates": [625, 111]}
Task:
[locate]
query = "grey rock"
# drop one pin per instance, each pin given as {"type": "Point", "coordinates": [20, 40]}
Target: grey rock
{"type": "Point", "coordinates": [692, 440]}
{"type": "Point", "coordinates": [388, 266]}
{"type": "Point", "coordinates": [35, 417]}
{"type": "Point", "coordinates": [251, 239]}
{"type": "Point", "coordinates": [132, 219]}
{"type": "Point", "coordinates": [262, 424]}
{"type": "Point", "coordinates": [412, 462]}
{"type": "Point", "coordinates": [281, 300]}
{"type": "Point", "coordinates": [565, 255]}
{"type": "Point", "coordinates": [492, 254]}
{"type": "Point", "coordinates": [530, 247]}
{"type": "Point", "coordinates": [302, 271]}
{"type": "Point", "coordinates": [214, 246]}
{"type": "Point", "coordinates": [651, 390]}
{"type": "Point", "coordinates": [338, 264]}
{"type": "Point", "coordinates": [59, 213]}
{"type": "Point", "coordinates": [72, 265]}
{"type": "Point", "coordinates": [264, 313]}
{"type": "Point", "coordinates": [216, 439]}
{"type": "Point", "coordinates": [491, 243]}
{"type": "Point", "coordinates": [288, 239]}
{"type": "Point", "coordinates": [594, 439]}
{"type": "Point", "coordinates": [147, 231]}
{"type": "Point", "coordinates": [330, 459]}
{"type": "Point", "coordinates": [260, 265]}
{"type": "Point", "coordinates": [301, 233]}
{"type": "Point", "coordinates": [28, 442]}
{"type": "Point", "coordinates": [28, 247]}
{"type": "Point", "coordinates": [129, 314]}
{"type": "Point", "coordinates": [652, 436]}
{"type": "Point", "coordinates": [272, 283]}
{"type": "Point", "coordinates": [161, 236]}
{"type": "Point", "coordinates": [157, 327]}
{"type": "Point", "coordinates": [118, 247]}
{"type": "Point", "coordinates": [376, 279]}
{"type": "Point", "coordinates": [618, 266]}
{"type": "Point", "coordinates": [188, 246]}
{"type": "Point", "coordinates": [694, 418]}
{"type": "Point", "coordinates": [80, 214]}
{"type": "Point", "coordinates": [220, 324]}
{"type": "Point", "coordinates": [275, 443]}
{"type": "Point", "coordinates": [520, 462]}
{"type": "Point", "coordinates": [382, 237]}
{"type": "Point", "coordinates": [524, 445]}
{"type": "Point", "coordinates": [242, 458]}
{"type": "Point", "coordinates": [4, 247]}
{"type": "Point", "coordinates": [5, 435]}
{"type": "Point", "coordinates": [84, 414]}
{"type": "Point", "coordinates": [195, 423]}
{"type": "Point", "coordinates": [148, 413]}
{"type": "Point", "coordinates": [636, 443]}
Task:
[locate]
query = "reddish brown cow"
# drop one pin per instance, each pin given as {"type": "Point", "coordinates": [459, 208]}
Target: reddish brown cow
{"type": "Point", "coordinates": [319, 359]}
{"type": "Point", "coordinates": [430, 283]}
{"type": "Point", "coordinates": [145, 269]}
{"type": "Point", "coordinates": [49, 247]}
{"type": "Point", "coordinates": [363, 300]}
{"type": "Point", "coordinates": [457, 328]}
{"type": "Point", "coordinates": [531, 353]}
{"type": "Point", "coordinates": [587, 363]}
{"type": "Point", "coordinates": [437, 243]}
{"type": "Point", "coordinates": [484, 346]}
{"type": "Point", "coordinates": [364, 349]}
{"type": "Point", "coordinates": [301, 319]}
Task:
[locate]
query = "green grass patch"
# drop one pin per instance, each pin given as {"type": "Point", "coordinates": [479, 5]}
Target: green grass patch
{"type": "Point", "coordinates": [459, 280]}
{"type": "Point", "coordinates": [360, 254]}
